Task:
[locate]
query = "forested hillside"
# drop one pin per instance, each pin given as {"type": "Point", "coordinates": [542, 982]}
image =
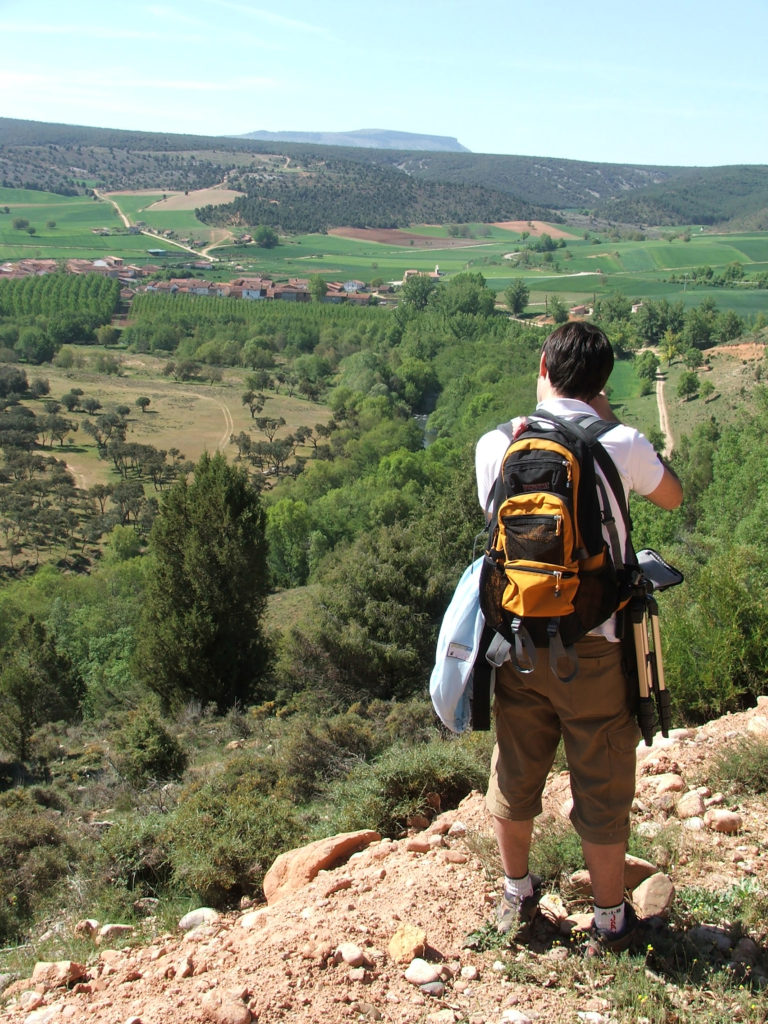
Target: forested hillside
{"type": "Point", "coordinates": [382, 187]}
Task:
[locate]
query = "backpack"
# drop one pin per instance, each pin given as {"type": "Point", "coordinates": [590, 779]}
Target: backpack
{"type": "Point", "coordinates": [548, 576]}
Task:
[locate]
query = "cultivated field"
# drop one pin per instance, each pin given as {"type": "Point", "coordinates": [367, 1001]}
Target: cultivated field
{"type": "Point", "coordinates": [588, 267]}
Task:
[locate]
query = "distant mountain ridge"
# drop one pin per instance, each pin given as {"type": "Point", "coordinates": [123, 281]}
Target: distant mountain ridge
{"type": "Point", "coordinates": [366, 138]}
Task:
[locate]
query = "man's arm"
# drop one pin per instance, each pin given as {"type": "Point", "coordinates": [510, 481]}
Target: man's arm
{"type": "Point", "coordinates": [669, 493]}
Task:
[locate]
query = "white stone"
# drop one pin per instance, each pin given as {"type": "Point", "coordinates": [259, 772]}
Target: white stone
{"type": "Point", "coordinates": [352, 955]}
{"type": "Point", "coordinates": [419, 972]}
{"type": "Point", "coordinates": [513, 1016]}
{"type": "Point", "coordinates": [694, 824]}
{"type": "Point", "coordinates": [254, 919]}
{"type": "Point", "coordinates": [108, 932]}
{"type": "Point", "coordinates": [203, 915]}
{"type": "Point", "coordinates": [470, 973]}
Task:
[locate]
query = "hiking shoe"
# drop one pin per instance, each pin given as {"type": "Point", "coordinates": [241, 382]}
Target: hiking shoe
{"type": "Point", "coordinates": [601, 941]}
{"type": "Point", "coordinates": [512, 915]}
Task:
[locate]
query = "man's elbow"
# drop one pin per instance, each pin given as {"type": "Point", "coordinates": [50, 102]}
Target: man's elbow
{"type": "Point", "coordinates": [669, 494]}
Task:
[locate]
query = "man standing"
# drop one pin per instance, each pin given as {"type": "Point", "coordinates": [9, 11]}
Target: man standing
{"type": "Point", "coordinates": [593, 714]}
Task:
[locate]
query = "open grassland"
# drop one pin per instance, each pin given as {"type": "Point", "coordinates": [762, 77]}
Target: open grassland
{"type": "Point", "coordinates": [192, 417]}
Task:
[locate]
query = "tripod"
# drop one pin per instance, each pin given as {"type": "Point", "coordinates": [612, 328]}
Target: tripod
{"type": "Point", "coordinates": [644, 615]}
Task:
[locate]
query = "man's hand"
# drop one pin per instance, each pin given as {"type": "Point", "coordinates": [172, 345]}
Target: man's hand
{"type": "Point", "coordinates": [602, 407]}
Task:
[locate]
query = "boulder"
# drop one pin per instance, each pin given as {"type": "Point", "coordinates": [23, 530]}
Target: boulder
{"type": "Point", "coordinates": [653, 897]}
{"type": "Point", "coordinates": [48, 975]}
{"type": "Point", "coordinates": [295, 868]}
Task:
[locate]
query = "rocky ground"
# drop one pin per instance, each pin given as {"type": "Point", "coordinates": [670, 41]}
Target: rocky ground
{"type": "Point", "coordinates": [383, 935]}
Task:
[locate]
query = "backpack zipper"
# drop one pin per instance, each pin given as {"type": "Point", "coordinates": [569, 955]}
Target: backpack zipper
{"type": "Point", "coordinates": [557, 574]}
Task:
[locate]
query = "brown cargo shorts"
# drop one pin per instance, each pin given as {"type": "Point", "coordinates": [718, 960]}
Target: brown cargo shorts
{"type": "Point", "coordinates": [593, 714]}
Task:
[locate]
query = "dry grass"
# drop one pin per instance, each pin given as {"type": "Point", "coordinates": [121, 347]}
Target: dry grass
{"type": "Point", "coordinates": [193, 417]}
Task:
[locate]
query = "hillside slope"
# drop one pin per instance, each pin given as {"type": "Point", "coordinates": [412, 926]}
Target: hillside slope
{"type": "Point", "coordinates": [323, 953]}
{"type": "Point", "coordinates": [67, 158]}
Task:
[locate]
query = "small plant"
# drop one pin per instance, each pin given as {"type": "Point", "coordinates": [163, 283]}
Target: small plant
{"type": "Point", "coordinates": [556, 850]}
{"type": "Point", "coordinates": [741, 767]}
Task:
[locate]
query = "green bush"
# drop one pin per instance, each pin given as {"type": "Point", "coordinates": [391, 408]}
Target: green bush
{"type": "Point", "coordinates": [35, 857]}
{"type": "Point", "coordinates": [145, 750]}
{"type": "Point", "coordinates": [384, 794]}
{"type": "Point", "coordinates": [135, 853]}
{"type": "Point", "coordinates": [227, 831]}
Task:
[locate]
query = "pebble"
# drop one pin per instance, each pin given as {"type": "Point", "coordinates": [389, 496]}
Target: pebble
{"type": "Point", "coordinates": [421, 973]}
{"type": "Point", "coordinates": [433, 988]}
{"type": "Point", "coordinates": [203, 915]}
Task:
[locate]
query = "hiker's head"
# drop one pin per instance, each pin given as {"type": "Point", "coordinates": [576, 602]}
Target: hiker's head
{"type": "Point", "coordinates": [578, 359]}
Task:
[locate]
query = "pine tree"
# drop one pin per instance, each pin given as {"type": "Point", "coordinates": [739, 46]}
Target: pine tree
{"type": "Point", "coordinates": [200, 636]}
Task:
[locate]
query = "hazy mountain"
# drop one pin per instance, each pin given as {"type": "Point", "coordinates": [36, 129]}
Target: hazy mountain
{"type": "Point", "coordinates": [368, 138]}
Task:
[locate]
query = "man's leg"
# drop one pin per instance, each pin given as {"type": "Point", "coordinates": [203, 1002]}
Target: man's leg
{"type": "Point", "coordinates": [605, 863]}
{"type": "Point", "coordinates": [514, 840]}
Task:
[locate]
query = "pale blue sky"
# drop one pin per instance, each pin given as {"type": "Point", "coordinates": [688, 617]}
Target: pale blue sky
{"type": "Point", "coordinates": [675, 82]}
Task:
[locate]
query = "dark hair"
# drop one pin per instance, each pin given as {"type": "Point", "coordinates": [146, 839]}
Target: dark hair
{"type": "Point", "coordinates": [579, 360]}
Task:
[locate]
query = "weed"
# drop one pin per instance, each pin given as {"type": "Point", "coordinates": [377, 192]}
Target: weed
{"type": "Point", "coordinates": [741, 767]}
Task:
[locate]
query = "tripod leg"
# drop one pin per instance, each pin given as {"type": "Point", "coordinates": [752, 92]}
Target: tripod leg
{"type": "Point", "coordinates": [659, 685]}
{"type": "Point", "coordinates": [646, 716]}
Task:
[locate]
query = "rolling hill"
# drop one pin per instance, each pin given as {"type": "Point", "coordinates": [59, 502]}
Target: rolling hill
{"type": "Point", "coordinates": [407, 184]}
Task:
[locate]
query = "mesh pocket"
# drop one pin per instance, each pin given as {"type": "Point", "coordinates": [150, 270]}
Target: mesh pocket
{"type": "Point", "coordinates": [538, 538]}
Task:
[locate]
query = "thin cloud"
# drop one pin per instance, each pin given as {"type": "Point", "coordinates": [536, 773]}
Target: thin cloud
{"type": "Point", "coordinates": [274, 19]}
{"type": "Point", "coordinates": [88, 31]}
{"type": "Point", "coordinates": [11, 80]}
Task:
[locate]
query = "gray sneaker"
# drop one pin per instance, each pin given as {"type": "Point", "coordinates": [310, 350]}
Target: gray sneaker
{"type": "Point", "coordinates": [512, 915]}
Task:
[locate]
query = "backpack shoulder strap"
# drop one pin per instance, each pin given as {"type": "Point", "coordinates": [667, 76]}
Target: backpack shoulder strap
{"type": "Point", "coordinates": [590, 429]}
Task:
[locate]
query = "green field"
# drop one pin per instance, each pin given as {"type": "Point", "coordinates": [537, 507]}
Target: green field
{"type": "Point", "coordinates": [76, 218]}
{"type": "Point", "coordinates": [581, 272]}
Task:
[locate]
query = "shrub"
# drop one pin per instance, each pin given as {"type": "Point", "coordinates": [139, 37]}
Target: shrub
{"type": "Point", "coordinates": [741, 767]}
{"type": "Point", "coordinates": [384, 794]}
{"type": "Point", "coordinates": [35, 857]}
{"type": "Point", "coordinates": [135, 853]}
{"type": "Point", "coordinates": [227, 831]}
{"type": "Point", "coordinates": [145, 750]}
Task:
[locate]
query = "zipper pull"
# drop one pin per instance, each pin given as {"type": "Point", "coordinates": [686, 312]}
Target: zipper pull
{"type": "Point", "coordinates": [558, 576]}
{"type": "Point", "coordinates": [558, 525]}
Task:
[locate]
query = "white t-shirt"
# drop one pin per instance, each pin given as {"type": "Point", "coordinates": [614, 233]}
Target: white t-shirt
{"type": "Point", "coordinates": [632, 453]}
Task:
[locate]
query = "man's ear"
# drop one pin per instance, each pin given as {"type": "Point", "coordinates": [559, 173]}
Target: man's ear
{"type": "Point", "coordinates": [543, 366]}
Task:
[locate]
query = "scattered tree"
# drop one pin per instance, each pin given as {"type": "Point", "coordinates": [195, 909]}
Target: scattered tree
{"type": "Point", "coordinates": [200, 635]}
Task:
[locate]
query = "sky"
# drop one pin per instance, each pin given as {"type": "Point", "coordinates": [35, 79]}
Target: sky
{"type": "Point", "coordinates": [670, 82]}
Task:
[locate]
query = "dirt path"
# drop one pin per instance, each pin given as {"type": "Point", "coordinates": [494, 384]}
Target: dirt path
{"type": "Point", "coordinates": [151, 234]}
{"type": "Point", "coordinates": [108, 199]}
{"type": "Point", "coordinates": [229, 423]}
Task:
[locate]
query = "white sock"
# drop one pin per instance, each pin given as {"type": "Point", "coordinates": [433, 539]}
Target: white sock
{"type": "Point", "coordinates": [610, 919]}
{"type": "Point", "coordinates": [518, 888]}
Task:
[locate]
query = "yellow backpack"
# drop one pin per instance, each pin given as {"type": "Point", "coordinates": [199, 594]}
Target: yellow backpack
{"type": "Point", "coordinates": [548, 575]}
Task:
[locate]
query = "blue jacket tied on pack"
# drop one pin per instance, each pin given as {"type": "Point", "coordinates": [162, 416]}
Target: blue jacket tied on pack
{"type": "Point", "coordinates": [458, 644]}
